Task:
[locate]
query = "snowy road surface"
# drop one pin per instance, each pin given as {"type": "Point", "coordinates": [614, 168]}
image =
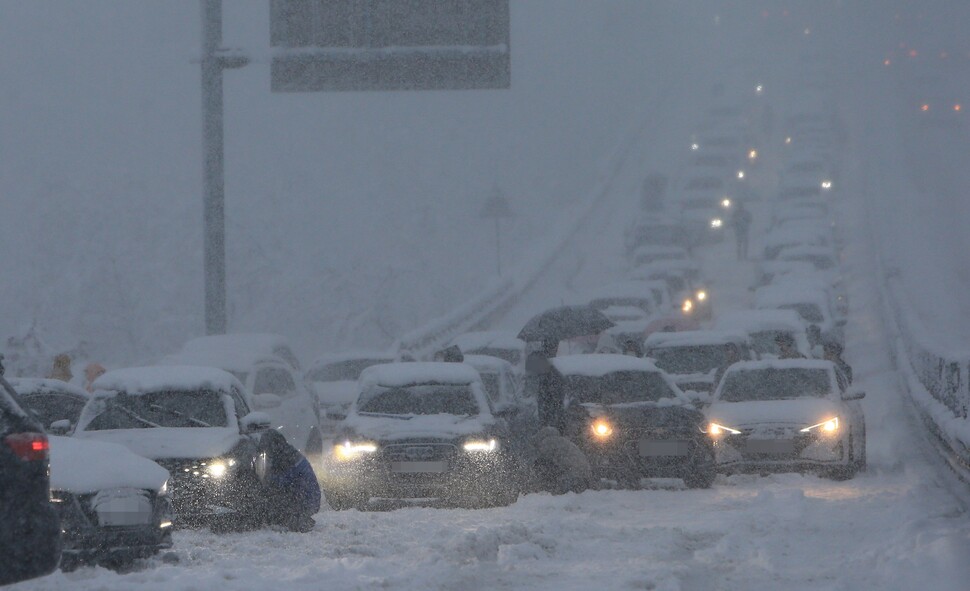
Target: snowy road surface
{"type": "Point", "coordinates": [902, 525]}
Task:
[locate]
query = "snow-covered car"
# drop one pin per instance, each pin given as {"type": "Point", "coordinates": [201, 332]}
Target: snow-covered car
{"type": "Point", "coordinates": [814, 305]}
{"type": "Point", "coordinates": [785, 415]}
{"type": "Point", "coordinates": [193, 421]}
{"type": "Point", "coordinates": [506, 396]}
{"type": "Point", "coordinates": [650, 297]}
{"type": "Point", "coordinates": [267, 368]}
{"type": "Point", "coordinates": [421, 432]}
{"type": "Point", "coordinates": [334, 380]}
{"type": "Point", "coordinates": [114, 505]}
{"type": "Point", "coordinates": [797, 211]}
{"type": "Point", "coordinates": [657, 230]}
{"type": "Point", "coordinates": [55, 403]}
{"type": "Point", "coordinates": [30, 543]}
{"type": "Point", "coordinates": [632, 421]}
{"type": "Point", "coordinates": [764, 327]}
{"type": "Point", "coordinates": [693, 358]}
{"type": "Point", "coordinates": [823, 258]}
{"type": "Point", "coordinates": [651, 253]}
{"type": "Point", "coordinates": [623, 336]}
{"type": "Point", "coordinates": [495, 343]}
{"type": "Point", "coordinates": [792, 234]}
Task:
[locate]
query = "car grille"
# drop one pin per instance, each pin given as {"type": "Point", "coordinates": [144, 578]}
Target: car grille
{"type": "Point", "coordinates": [420, 451]}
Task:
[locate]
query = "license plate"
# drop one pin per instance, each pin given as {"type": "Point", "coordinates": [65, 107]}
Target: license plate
{"type": "Point", "coordinates": [770, 446]}
{"type": "Point", "coordinates": [419, 467]}
{"type": "Point", "coordinates": [124, 512]}
{"type": "Point", "coordinates": [663, 448]}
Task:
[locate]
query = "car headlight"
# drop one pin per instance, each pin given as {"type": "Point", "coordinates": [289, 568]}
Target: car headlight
{"type": "Point", "coordinates": [826, 427]}
{"type": "Point", "coordinates": [687, 306]}
{"type": "Point", "coordinates": [163, 490]}
{"type": "Point", "coordinates": [348, 450]}
{"type": "Point", "coordinates": [601, 429]}
{"type": "Point", "coordinates": [483, 445]}
{"type": "Point", "coordinates": [717, 223]}
{"type": "Point", "coordinates": [826, 184]}
{"type": "Point", "coordinates": [218, 468]}
{"type": "Point", "coordinates": [701, 295]}
{"type": "Point", "coordinates": [740, 175]}
{"type": "Point", "coordinates": [716, 429]}
{"type": "Point", "coordinates": [726, 203]}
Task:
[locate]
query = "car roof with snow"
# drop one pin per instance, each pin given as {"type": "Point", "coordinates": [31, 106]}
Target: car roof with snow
{"type": "Point", "coordinates": [696, 338]}
{"type": "Point", "coordinates": [182, 378]}
{"type": "Point", "coordinates": [764, 364]}
{"type": "Point", "coordinates": [331, 358]}
{"type": "Point", "coordinates": [633, 288]}
{"type": "Point", "coordinates": [797, 234]}
{"type": "Point", "coordinates": [757, 320]}
{"type": "Point", "coordinates": [233, 352]}
{"type": "Point", "coordinates": [661, 268]}
{"type": "Point", "coordinates": [28, 386]}
{"type": "Point", "coordinates": [414, 373]}
{"type": "Point", "coordinates": [600, 364]}
{"type": "Point", "coordinates": [774, 295]}
{"type": "Point", "coordinates": [495, 339]}
{"type": "Point", "coordinates": [488, 363]}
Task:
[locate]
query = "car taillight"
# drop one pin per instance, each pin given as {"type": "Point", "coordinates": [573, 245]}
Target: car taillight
{"type": "Point", "coordinates": [30, 447]}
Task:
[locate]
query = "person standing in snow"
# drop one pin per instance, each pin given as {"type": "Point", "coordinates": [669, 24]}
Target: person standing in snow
{"type": "Point", "coordinates": [539, 383]}
{"type": "Point", "coordinates": [62, 368]}
{"type": "Point", "coordinates": [291, 487]}
{"type": "Point", "coordinates": [832, 351]}
{"type": "Point", "coordinates": [741, 220]}
{"type": "Point", "coordinates": [92, 372]}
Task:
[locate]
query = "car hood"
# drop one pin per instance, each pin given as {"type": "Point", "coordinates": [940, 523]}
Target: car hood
{"type": "Point", "coordinates": [171, 442]}
{"type": "Point", "coordinates": [86, 466]}
{"type": "Point", "coordinates": [800, 411]}
{"type": "Point", "coordinates": [389, 428]}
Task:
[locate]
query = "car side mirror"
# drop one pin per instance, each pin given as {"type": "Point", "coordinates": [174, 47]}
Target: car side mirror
{"type": "Point", "coordinates": [853, 395]}
{"type": "Point", "coordinates": [265, 401]}
{"type": "Point", "coordinates": [254, 422]}
{"type": "Point", "coordinates": [61, 427]}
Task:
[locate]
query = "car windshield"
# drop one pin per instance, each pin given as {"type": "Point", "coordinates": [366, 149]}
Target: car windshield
{"type": "Point", "coordinates": [691, 358]}
{"type": "Point", "coordinates": [764, 341]}
{"type": "Point", "coordinates": [810, 312]}
{"type": "Point", "coordinates": [620, 387]}
{"type": "Point", "coordinates": [53, 407]}
{"type": "Point", "coordinates": [513, 356]}
{"type": "Point", "coordinates": [749, 385]}
{"type": "Point", "coordinates": [172, 408]}
{"type": "Point", "coordinates": [349, 370]}
{"type": "Point", "coordinates": [421, 399]}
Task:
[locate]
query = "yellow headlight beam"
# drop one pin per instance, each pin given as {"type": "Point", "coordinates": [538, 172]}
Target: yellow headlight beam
{"type": "Point", "coordinates": [716, 429]}
{"type": "Point", "coordinates": [601, 429]}
{"type": "Point", "coordinates": [687, 307]}
{"type": "Point", "coordinates": [701, 295]}
{"type": "Point", "coordinates": [828, 426]}
{"type": "Point", "coordinates": [490, 445]}
{"type": "Point", "coordinates": [349, 451]}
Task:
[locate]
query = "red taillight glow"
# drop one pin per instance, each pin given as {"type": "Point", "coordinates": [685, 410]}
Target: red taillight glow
{"type": "Point", "coordinates": [30, 447]}
{"type": "Point", "coordinates": [957, 107]}
{"type": "Point", "coordinates": [924, 108]}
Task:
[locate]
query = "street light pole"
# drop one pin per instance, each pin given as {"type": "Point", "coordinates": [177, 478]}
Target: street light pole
{"type": "Point", "coordinates": [213, 156]}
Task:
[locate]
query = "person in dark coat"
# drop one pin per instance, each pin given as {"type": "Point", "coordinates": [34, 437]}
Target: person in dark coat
{"type": "Point", "coordinates": [741, 220]}
{"type": "Point", "coordinates": [450, 354]}
{"type": "Point", "coordinates": [291, 487]}
{"type": "Point", "coordinates": [832, 351]}
{"type": "Point", "coordinates": [540, 382]}
{"type": "Point", "coordinates": [786, 347]}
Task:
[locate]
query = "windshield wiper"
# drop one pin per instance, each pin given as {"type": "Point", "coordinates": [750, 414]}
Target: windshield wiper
{"type": "Point", "coordinates": [132, 414]}
{"type": "Point", "coordinates": [174, 412]}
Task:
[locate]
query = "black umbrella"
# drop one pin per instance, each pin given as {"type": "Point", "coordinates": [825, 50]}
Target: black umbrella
{"type": "Point", "coordinates": [566, 322]}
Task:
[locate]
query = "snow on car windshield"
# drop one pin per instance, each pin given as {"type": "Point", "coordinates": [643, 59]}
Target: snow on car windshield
{"type": "Point", "coordinates": [424, 399]}
{"type": "Point", "coordinates": [620, 387]}
{"type": "Point", "coordinates": [775, 384]}
{"type": "Point", "coordinates": [160, 409]}
{"type": "Point", "coordinates": [690, 359]}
